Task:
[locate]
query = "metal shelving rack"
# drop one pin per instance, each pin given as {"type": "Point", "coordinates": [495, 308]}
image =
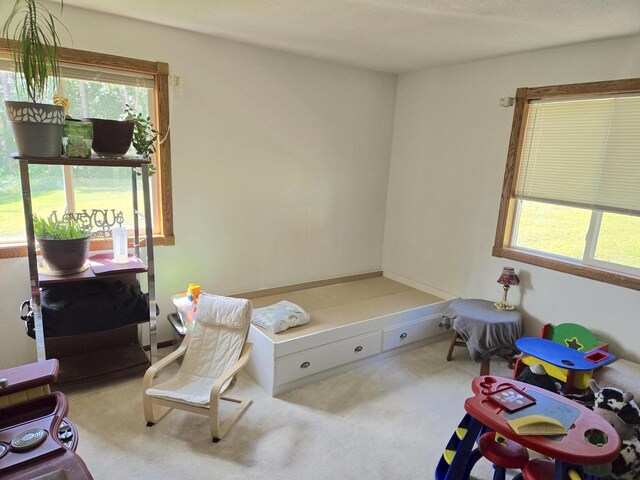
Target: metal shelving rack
{"type": "Point", "coordinates": [36, 281]}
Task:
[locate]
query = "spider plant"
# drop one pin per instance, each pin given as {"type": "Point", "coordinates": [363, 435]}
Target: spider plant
{"type": "Point", "coordinates": [32, 27]}
{"type": "Point", "coordinates": [48, 229]}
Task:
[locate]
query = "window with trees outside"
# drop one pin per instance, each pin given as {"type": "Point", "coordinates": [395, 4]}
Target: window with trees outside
{"type": "Point", "coordinates": [571, 192]}
{"type": "Point", "coordinates": [97, 86]}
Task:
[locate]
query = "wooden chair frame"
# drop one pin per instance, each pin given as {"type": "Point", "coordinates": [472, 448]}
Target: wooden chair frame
{"type": "Point", "coordinates": [218, 431]}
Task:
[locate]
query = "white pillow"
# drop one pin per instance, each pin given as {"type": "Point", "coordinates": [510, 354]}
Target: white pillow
{"type": "Point", "coordinates": [280, 316]}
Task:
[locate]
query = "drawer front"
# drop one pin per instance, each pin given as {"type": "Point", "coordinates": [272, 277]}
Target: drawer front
{"type": "Point", "coordinates": [410, 332]}
{"type": "Point", "coordinates": [314, 360]}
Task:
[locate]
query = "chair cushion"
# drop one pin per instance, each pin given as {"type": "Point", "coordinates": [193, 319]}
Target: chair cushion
{"type": "Point", "coordinates": [279, 316]}
{"type": "Point", "coordinates": [183, 388]}
{"type": "Point", "coordinates": [225, 311]}
{"type": "Point", "coordinates": [219, 333]}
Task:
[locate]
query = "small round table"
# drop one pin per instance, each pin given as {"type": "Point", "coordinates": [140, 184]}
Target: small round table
{"type": "Point", "coordinates": [483, 329]}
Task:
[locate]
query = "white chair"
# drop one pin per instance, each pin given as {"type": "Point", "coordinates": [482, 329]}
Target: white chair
{"type": "Point", "coordinates": [213, 354]}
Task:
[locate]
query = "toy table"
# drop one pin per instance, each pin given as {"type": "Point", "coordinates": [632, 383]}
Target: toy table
{"type": "Point", "coordinates": [483, 414]}
{"type": "Point", "coordinates": [565, 358]}
{"type": "Point", "coordinates": [562, 356]}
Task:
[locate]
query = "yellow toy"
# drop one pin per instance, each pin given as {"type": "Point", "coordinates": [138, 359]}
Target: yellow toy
{"type": "Point", "coordinates": [193, 292]}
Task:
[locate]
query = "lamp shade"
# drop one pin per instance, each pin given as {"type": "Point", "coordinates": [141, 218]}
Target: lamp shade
{"type": "Point", "coordinates": [508, 277]}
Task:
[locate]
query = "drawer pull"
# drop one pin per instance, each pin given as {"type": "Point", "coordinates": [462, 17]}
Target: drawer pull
{"type": "Point", "coordinates": [404, 335]}
{"type": "Point", "coordinates": [305, 365]}
{"type": "Point", "coordinates": [358, 348]}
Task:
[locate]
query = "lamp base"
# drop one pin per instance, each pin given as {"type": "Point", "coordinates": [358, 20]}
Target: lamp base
{"type": "Point", "coordinates": [504, 306]}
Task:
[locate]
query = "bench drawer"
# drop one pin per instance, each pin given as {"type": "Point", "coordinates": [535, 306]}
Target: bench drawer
{"type": "Point", "coordinates": [410, 332]}
{"type": "Point", "coordinates": [314, 360]}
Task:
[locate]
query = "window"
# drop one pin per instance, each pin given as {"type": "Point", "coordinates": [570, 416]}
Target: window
{"type": "Point", "coordinates": [97, 86]}
{"type": "Point", "coordinates": [571, 193]}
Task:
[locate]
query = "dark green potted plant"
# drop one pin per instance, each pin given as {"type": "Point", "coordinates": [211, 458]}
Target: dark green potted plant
{"type": "Point", "coordinates": [64, 246]}
{"type": "Point", "coordinates": [37, 127]}
{"type": "Point", "coordinates": [144, 135]}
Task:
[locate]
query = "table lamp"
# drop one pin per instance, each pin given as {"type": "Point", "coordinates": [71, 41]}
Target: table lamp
{"type": "Point", "coordinates": [507, 279]}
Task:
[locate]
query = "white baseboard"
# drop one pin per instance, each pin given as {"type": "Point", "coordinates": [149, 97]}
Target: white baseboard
{"type": "Point", "coordinates": [421, 286]}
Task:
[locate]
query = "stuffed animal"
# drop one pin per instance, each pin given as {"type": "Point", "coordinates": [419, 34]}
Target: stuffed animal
{"type": "Point", "coordinates": [619, 409]}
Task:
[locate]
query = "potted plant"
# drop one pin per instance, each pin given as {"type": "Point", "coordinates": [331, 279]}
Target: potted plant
{"type": "Point", "coordinates": [110, 137]}
{"type": "Point", "coordinates": [37, 127]}
{"type": "Point", "coordinates": [63, 245]}
{"type": "Point", "coordinates": [144, 135]}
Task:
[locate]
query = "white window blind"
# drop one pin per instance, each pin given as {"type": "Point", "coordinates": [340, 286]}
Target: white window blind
{"type": "Point", "coordinates": [584, 153]}
{"type": "Point", "coordinates": [94, 74]}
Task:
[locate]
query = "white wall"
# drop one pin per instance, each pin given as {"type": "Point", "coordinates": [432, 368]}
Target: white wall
{"type": "Point", "coordinates": [280, 166]}
{"type": "Point", "coordinates": [448, 157]}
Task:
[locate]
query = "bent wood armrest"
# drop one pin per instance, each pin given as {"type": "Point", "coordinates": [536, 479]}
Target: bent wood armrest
{"type": "Point", "coordinates": [153, 370]}
{"type": "Point", "coordinates": [230, 372]}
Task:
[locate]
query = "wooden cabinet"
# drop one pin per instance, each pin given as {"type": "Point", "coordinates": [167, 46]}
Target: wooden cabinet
{"type": "Point", "coordinates": [106, 353]}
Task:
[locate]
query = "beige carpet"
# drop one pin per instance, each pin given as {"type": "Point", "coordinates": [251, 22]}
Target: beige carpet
{"type": "Point", "coordinates": [390, 419]}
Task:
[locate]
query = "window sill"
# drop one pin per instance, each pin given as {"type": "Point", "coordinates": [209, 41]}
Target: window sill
{"type": "Point", "coordinates": [16, 250]}
{"type": "Point", "coordinates": [591, 272]}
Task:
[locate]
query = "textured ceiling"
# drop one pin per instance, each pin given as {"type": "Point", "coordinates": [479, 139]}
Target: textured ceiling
{"type": "Point", "coordinates": [391, 35]}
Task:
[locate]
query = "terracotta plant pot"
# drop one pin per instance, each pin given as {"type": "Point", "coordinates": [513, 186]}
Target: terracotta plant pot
{"type": "Point", "coordinates": [65, 257]}
{"type": "Point", "coordinates": [111, 137]}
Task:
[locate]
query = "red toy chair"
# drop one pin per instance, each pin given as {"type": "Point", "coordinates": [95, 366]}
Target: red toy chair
{"type": "Point", "coordinates": [539, 469]}
{"type": "Point", "coordinates": [544, 469]}
{"type": "Point", "coordinates": [503, 453]}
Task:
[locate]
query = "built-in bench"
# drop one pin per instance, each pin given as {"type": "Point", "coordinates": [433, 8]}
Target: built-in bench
{"type": "Point", "coordinates": [351, 323]}
{"type": "Point", "coordinates": [622, 374]}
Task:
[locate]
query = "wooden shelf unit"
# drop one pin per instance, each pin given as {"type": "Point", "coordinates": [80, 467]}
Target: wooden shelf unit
{"type": "Point", "coordinates": [109, 355]}
{"type": "Point", "coordinates": [100, 356]}
{"type": "Point", "coordinates": [87, 275]}
{"type": "Point", "coordinates": [95, 161]}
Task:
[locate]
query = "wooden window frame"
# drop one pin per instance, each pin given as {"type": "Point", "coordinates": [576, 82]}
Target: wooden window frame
{"type": "Point", "coordinates": [507, 212]}
{"type": "Point", "coordinates": [160, 73]}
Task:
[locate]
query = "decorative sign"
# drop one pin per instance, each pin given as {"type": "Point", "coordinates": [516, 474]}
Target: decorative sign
{"type": "Point", "coordinates": [102, 220]}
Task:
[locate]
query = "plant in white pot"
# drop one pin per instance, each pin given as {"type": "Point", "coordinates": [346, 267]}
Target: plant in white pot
{"type": "Point", "coordinates": [37, 127]}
